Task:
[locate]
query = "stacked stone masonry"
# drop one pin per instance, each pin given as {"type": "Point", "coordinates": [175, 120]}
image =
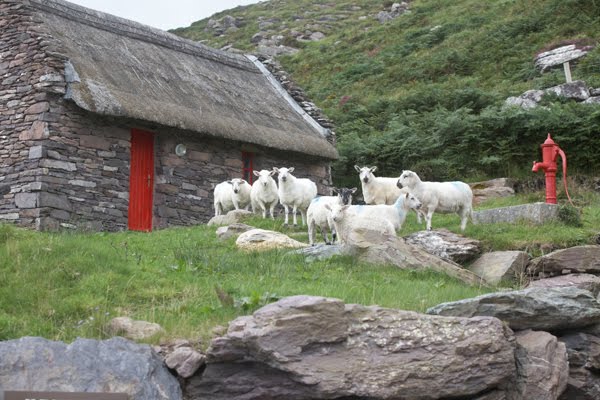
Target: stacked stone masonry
{"type": "Point", "coordinates": [62, 167]}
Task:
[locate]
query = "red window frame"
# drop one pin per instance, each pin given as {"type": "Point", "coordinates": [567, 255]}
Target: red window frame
{"type": "Point", "coordinates": [248, 166]}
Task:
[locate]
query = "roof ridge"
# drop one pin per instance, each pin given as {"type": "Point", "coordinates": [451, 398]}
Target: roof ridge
{"type": "Point", "coordinates": [136, 30]}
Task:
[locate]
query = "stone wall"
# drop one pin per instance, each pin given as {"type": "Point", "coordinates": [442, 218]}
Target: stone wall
{"type": "Point", "coordinates": [27, 71]}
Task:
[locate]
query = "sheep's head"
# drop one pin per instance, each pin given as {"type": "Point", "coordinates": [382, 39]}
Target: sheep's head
{"type": "Point", "coordinates": [412, 201]}
{"type": "Point", "coordinates": [236, 183]}
{"type": "Point", "coordinates": [284, 174]}
{"type": "Point", "coordinates": [408, 179]}
{"type": "Point", "coordinates": [264, 176]}
{"type": "Point", "coordinates": [365, 173]}
{"type": "Point", "coordinates": [344, 194]}
{"type": "Point", "coordinates": [337, 211]}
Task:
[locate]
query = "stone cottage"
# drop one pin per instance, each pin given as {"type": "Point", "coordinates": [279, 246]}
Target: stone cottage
{"type": "Point", "coordinates": [107, 124]}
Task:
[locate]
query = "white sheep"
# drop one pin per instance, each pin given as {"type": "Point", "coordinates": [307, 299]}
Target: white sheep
{"type": "Point", "coordinates": [394, 214]}
{"type": "Point", "coordinates": [296, 193]}
{"type": "Point", "coordinates": [241, 193]}
{"type": "Point", "coordinates": [263, 193]}
{"type": "Point", "coordinates": [319, 216]}
{"type": "Point", "coordinates": [443, 197]}
{"type": "Point", "coordinates": [232, 194]}
{"type": "Point", "coordinates": [380, 190]}
{"type": "Point", "coordinates": [377, 190]}
{"type": "Point", "coordinates": [345, 222]}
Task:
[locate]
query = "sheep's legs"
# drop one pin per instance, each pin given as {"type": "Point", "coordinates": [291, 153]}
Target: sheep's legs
{"type": "Point", "coordinates": [294, 216]}
{"type": "Point", "coordinates": [287, 212]}
{"type": "Point", "coordinates": [311, 233]}
{"type": "Point", "coordinates": [217, 209]}
{"type": "Point", "coordinates": [303, 214]}
{"type": "Point", "coordinates": [324, 234]}
{"type": "Point", "coordinates": [271, 210]}
{"type": "Point", "coordinates": [428, 219]}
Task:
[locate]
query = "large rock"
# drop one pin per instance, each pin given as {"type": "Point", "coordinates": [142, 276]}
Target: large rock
{"type": "Point", "coordinates": [375, 247]}
{"type": "Point", "coordinates": [584, 363]}
{"type": "Point", "coordinates": [542, 366]}
{"type": "Point", "coordinates": [527, 100]}
{"type": "Point", "coordinates": [496, 266]}
{"type": "Point", "coordinates": [494, 188]}
{"type": "Point", "coordinates": [185, 360]}
{"type": "Point", "coordinates": [582, 281]}
{"type": "Point", "coordinates": [260, 239]}
{"type": "Point", "coordinates": [534, 308]}
{"type": "Point", "coordinates": [305, 347]}
{"type": "Point", "coordinates": [115, 365]}
{"type": "Point", "coordinates": [576, 90]}
{"type": "Point", "coordinates": [321, 252]}
{"type": "Point", "coordinates": [573, 259]}
{"type": "Point", "coordinates": [232, 217]}
{"type": "Point", "coordinates": [447, 245]}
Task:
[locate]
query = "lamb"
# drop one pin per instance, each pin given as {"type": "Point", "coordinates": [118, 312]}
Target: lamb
{"type": "Point", "coordinates": [444, 197]}
{"type": "Point", "coordinates": [232, 194]}
{"type": "Point", "coordinates": [294, 192]}
{"type": "Point", "coordinates": [263, 194]}
{"type": "Point", "coordinates": [318, 216]}
{"type": "Point", "coordinates": [373, 215]}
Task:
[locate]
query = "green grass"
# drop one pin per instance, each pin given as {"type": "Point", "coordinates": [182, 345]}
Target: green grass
{"type": "Point", "coordinates": [67, 285]}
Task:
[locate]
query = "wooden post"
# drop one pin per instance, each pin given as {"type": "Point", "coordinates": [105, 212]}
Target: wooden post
{"type": "Point", "coordinates": [567, 69]}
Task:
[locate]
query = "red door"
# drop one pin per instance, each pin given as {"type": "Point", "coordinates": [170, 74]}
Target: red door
{"type": "Point", "coordinates": [141, 180]}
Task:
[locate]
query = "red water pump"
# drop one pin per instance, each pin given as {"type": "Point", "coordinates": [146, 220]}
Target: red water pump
{"type": "Point", "coordinates": [550, 151]}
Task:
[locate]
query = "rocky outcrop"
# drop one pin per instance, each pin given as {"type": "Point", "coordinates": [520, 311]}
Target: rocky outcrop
{"type": "Point", "coordinates": [447, 245]}
{"type": "Point", "coordinates": [559, 56]}
{"type": "Point", "coordinates": [549, 309]}
{"type": "Point", "coordinates": [305, 347]}
{"type": "Point", "coordinates": [226, 232]}
{"type": "Point", "coordinates": [576, 90]}
{"type": "Point", "coordinates": [537, 213]}
{"type": "Point", "coordinates": [585, 259]}
{"type": "Point", "coordinates": [116, 365]}
{"type": "Point", "coordinates": [374, 247]}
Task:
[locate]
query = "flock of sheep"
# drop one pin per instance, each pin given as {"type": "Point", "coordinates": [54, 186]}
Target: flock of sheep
{"type": "Point", "coordinates": [387, 201]}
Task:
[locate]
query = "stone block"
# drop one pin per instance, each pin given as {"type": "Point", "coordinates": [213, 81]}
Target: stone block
{"type": "Point", "coordinates": [94, 142]}
{"type": "Point", "coordinates": [56, 164]}
{"type": "Point", "coordinates": [82, 183]}
{"type": "Point", "coordinates": [26, 200]}
{"type": "Point", "coordinates": [36, 152]}
{"type": "Point", "coordinates": [495, 266]}
{"type": "Point", "coordinates": [52, 200]}
{"type": "Point", "coordinates": [39, 130]}
{"type": "Point", "coordinates": [38, 108]}
{"type": "Point", "coordinates": [538, 213]}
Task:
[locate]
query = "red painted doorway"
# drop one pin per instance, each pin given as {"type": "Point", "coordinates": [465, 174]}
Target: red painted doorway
{"type": "Point", "coordinates": [141, 181]}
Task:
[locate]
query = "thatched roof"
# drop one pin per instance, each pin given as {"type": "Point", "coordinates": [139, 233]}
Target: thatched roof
{"type": "Point", "coordinates": [122, 68]}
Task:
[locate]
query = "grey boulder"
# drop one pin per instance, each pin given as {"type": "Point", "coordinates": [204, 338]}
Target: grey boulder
{"type": "Point", "coordinates": [573, 259]}
{"type": "Point", "coordinates": [305, 347]}
{"type": "Point", "coordinates": [534, 308]}
{"type": "Point", "coordinates": [447, 245]}
{"type": "Point", "coordinates": [115, 365]}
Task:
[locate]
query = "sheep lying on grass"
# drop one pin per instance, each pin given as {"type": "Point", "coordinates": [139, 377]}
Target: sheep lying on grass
{"type": "Point", "coordinates": [319, 216]}
{"type": "Point", "coordinates": [263, 193]}
{"type": "Point", "coordinates": [229, 195]}
{"type": "Point", "coordinates": [296, 193]}
{"type": "Point", "coordinates": [443, 197]}
{"type": "Point", "coordinates": [379, 217]}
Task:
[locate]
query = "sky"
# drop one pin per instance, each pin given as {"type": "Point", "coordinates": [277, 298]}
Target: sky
{"type": "Point", "coordinates": [164, 14]}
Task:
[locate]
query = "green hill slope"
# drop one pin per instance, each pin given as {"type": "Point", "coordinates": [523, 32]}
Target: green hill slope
{"type": "Point", "coordinates": [425, 91]}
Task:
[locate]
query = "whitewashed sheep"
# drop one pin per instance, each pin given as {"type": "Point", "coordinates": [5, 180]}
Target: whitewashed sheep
{"type": "Point", "coordinates": [296, 193]}
{"type": "Point", "coordinates": [443, 197]}
{"type": "Point", "coordinates": [319, 216]}
{"type": "Point", "coordinates": [263, 194]}
{"type": "Point", "coordinates": [394, 214]}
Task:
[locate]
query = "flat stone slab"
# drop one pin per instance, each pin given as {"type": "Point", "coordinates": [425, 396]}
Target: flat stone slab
{"type": "Point", "coordinates": [538, 213]}
{"type": "Point", "coordinates": [545, 309]}
{"type": "Point", "coordinates": [495, 266]}
{"type": "Point", "coordinates": [583, 281]}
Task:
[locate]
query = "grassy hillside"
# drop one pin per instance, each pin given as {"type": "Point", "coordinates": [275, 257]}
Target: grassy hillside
{"type": "Point", "coordinates": [425, 91]}
{"type": "Point", "coordinates": [67, 285]}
